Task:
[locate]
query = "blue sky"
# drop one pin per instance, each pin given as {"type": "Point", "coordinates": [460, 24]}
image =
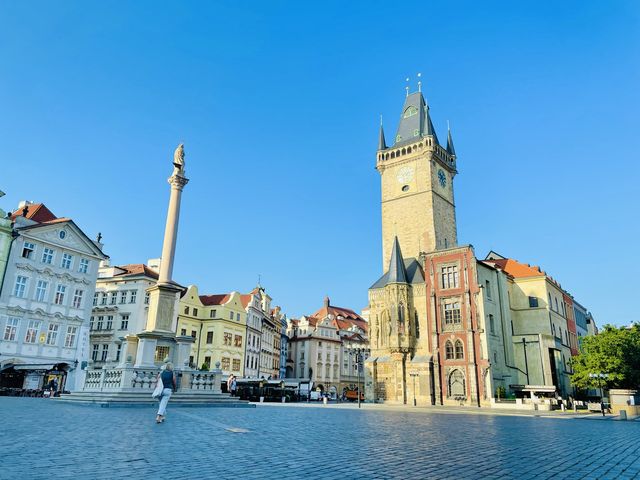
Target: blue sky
{"type": "Point", "coordinates": [278, 105]}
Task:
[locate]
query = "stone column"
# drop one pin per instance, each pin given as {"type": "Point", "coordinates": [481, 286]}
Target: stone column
{"type": "Point", "coordinates": [177, 182]}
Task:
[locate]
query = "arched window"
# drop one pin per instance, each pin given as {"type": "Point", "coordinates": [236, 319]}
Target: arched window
{"type": "Point", "coordinates": [410, 112]}
{"type": "Point", "coordinates": [459, 350]}
{"type": "Point", "coordinates": [448, 350]}
{"type": "Point", "coordinates": [456, 384]}
{"type": "Point", "coordinates": [417, 326]}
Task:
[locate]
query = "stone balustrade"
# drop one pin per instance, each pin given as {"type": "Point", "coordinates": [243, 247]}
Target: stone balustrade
{"type": "Point", "coordinates": [131, 379]}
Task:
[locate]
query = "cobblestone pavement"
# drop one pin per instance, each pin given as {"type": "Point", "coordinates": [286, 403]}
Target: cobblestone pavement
{"type": "Point", "coordinates": [41, 438]}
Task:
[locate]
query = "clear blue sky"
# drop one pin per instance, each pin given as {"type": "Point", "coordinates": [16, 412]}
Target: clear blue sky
{"type": "Point", "coordinates": [278, 105]}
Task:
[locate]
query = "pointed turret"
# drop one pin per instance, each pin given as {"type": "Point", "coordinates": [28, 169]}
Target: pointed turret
{"type": "Point", "coordinates": [415, 121]}
{"type": "Point", "coordinates": [450, 148]}
{"type": "Point", "coordinates": [382, 144]}
{"type": "Point", "coordinates": [397, 272]}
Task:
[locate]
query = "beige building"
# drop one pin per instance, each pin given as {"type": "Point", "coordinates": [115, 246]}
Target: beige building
{"type": "Point", "coordinates": [218, 325]}
{"type": "Point", "coordinates": [542, 331]}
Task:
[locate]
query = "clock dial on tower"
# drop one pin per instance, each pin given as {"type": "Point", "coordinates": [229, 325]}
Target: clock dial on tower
{"type": "Point", "coordinates": [405, 174]}
{"type": "Point", "coordinates": [442, 178]}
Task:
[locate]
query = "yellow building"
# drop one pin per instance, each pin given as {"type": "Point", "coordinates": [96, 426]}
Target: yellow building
{"type": "Point", "coordinates": [218, 324]}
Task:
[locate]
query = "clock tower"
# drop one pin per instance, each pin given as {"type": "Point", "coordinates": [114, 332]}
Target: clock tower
{"type": "Point", "coordinates": [417, 185]}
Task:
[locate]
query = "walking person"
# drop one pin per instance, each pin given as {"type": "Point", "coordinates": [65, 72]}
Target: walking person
{"type": "Point", "coordinates": [602, 409]}
{"type": "Point", "coordinates": [234, 386]}
{"type": "Point", "coordinates": [168, 379]}
{"type": "Point", "coordinates": [230, 383]}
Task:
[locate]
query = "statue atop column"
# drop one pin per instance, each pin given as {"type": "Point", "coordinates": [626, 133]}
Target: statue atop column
{"type": "Point", "coordinates": [178, 161]}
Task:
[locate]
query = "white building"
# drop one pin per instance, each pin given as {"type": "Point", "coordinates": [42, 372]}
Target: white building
{"type": "Point", "coordinates": [252, 303]}
{"type": "Point", "coordinates": [322, 348]}
{"type": "Point", "coordinates": [120, 307]}
{"type": "Point", "coordinates": [45, 301]}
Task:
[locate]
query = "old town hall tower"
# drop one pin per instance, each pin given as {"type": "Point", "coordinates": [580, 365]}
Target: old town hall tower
{"type": "Point", "coordinates": [418, 216]}
{"type": "Point", "coordinates": [417, 184]}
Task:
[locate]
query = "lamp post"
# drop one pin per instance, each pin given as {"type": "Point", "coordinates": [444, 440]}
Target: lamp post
{"type": "Point", "coordinates": [358, 354]}
{"type": "Point", "coordinates": [600, 378]}
{"type": "Point", "coordinates": [414, 375]}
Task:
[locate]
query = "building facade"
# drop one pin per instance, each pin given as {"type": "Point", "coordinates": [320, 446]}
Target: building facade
{"type": "Point", "coordinates": [120, 308]}
{"type": "Point", "coordinates": [45, 302]}
{"type": "Point", "coordinates": [253, 307]}
{"type": "Point", "coordinates": [542, 338]}
{"type": "Point", "coordinates": [6, 238]}
{"type": "Point", "coordinates": [218, 325]}
{"type": "Point", "coordinates": [323, 347]}
{"type": "Point", "coordinates": [284, 347]}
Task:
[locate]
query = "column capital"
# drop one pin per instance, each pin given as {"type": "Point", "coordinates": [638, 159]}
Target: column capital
{"type": "Point", "coordinates": [178, 181]}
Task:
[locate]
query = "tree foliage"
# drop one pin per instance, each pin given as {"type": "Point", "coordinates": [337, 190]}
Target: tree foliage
{"type": "Point", "coordinates": [615, 351]}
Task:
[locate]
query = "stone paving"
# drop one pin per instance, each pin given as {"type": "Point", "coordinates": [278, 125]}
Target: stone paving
{"type": "Point", "coordinates": [41, 438]}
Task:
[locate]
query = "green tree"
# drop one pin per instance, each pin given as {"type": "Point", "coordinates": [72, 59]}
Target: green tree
{"type": "Point", "coordinates": [615, 351]}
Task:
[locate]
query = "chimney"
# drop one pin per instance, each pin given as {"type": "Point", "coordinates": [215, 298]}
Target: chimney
{"type": "Point", "coordinates": [326, 302]}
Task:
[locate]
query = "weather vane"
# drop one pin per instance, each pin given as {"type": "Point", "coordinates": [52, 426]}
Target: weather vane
{"type": "Point", "coordinates": [407, 87]}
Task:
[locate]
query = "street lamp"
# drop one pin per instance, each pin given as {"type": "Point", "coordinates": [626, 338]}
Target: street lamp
{"type": "Point", "coordinates": [414, 375]}
{"type": "Point", "coordinates": [358, 353]}
{"type": "Point", "coordinates": [601, 377]}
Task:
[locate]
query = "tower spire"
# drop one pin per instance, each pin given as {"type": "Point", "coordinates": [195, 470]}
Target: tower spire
{"type": "Point", "coordinates": [450, 148]}
{"type": "Point", "coordinates": [382, 144]}
{"type": "Point", "coordinates": [397, 272]}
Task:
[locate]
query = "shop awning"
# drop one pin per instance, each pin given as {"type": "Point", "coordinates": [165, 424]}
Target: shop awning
{"type": "Point", "coordinates": [539, 388]}
{"type": "Point", "coordinates": [28, 366]}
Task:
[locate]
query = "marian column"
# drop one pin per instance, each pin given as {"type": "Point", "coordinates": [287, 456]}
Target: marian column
{"type": "Point", "coordinates": [158, 337]}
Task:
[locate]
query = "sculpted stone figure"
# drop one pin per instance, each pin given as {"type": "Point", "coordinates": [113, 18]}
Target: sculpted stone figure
{"type": "Point", "coordinates": [178, 160]}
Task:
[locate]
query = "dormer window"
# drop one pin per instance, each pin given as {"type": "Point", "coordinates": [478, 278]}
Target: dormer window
{"type": "Point", "coordinates": [410, 112]}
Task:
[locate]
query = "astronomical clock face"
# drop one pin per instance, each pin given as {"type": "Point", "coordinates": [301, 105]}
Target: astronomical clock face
{"type": "Point", "coordinates": [405, 174]}
{"type": "Point", "coordinates": [442, 178]}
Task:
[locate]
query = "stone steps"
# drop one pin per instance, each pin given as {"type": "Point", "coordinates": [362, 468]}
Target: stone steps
{"type": "Point", "coordinates": [112, 399]}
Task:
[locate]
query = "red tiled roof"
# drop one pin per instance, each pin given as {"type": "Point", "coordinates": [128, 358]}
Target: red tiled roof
{"type": "Point", "coordinates": [348, 317]}
{"type": "Point", "coordinates": [516, 269]}
{"type": "Point", "coordinates": [37, 212]}
{"type": "Point", "coordinates": [136, 269]}
{"type": "Point", "coordinates": [245, 299]}
{"type": "Point", "coordinates": [218, 299]}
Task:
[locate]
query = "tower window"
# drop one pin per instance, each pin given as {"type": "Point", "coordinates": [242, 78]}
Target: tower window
{"type": "Point", "coordinates": [405, 188]}
{"type": "Point", "coordinates": [398, 138]}
{"type": "Point", "coordinates": [410, 112]}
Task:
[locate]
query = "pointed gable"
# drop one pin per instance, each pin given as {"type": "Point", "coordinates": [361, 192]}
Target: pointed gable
{"type": "Point", "coordinates": [38, 212]}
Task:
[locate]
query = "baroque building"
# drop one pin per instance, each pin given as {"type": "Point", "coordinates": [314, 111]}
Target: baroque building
{"type": "Point", "coordinates": [45, 301]}
{"type": "Point", "coordinates": [218, 325]}
{"type": "Point", "coordinates": [322, 348]}
{"type": "Point", "coordinates": [120, 308]}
